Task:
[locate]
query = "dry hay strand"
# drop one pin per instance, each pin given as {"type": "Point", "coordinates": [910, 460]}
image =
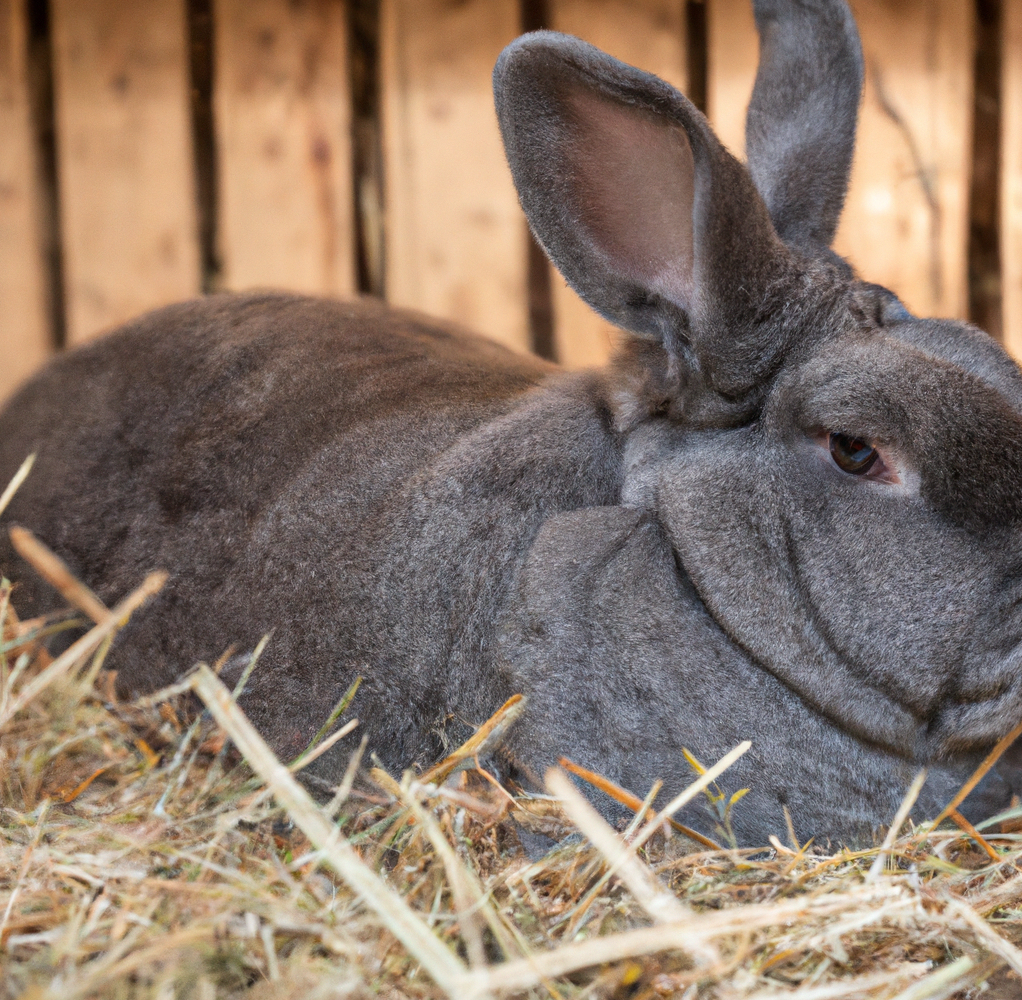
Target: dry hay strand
{"type": "Point", "coordinates": [151, 851]}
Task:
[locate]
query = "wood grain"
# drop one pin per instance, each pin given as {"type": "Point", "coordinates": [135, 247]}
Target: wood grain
{"type": "Point", "coordinates": [649, 34]}
{"type": "Point", "coordinates": [1011, 179]}
{"type": "Point", "coordinates": [128, 212]}
{"type": "Point", "coordinates": [905, 223]}
{"type": "Point", "coordinates": [455, 235]}
{"type": "Point", "coordinates": [731, 58]}
{"type": "Point", "coordinates": [24, 333]}
{"type": "Point", "coordinates": [906, 218]}
{"type": "Point", "coordinates": [283, 119]}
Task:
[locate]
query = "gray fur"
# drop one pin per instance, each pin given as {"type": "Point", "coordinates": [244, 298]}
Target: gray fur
{"type": "Point", "coordinates": [660, 555]}
{"type": "Point", "coordinates": [800, 129]}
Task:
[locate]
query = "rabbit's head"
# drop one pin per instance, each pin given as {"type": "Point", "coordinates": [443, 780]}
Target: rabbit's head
{"type": "Point", "coordinates": [841, 481]}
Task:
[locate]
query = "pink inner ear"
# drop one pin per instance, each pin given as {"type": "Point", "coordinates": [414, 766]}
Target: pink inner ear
{"type": "Point", "coordinates": [633, 187]}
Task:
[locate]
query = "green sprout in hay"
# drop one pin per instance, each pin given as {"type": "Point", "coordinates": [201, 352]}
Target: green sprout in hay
{"type": "Point", "coordinates": [719, 803]}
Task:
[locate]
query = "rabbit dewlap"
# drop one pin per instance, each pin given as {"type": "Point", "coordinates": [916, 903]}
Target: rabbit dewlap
{"type": "Point", "coordinates": [788, 511]}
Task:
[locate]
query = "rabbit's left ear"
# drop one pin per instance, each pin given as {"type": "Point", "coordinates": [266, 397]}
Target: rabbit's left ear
{"type": "Point", "coordinates": [641, 208]}
{"type": "Point", "coordinates": [800, 127]}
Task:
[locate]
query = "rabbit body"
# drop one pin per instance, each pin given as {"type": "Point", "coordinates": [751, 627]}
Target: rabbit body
{"type": "Point", "coordinates": [787, 512]}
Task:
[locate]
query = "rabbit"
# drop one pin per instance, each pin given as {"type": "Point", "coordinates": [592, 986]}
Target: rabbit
{"type": "Point", "coordinates": [787, 511]}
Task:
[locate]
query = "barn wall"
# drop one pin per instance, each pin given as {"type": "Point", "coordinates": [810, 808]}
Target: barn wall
{"type": "Point", "coordinates": [135, 214]}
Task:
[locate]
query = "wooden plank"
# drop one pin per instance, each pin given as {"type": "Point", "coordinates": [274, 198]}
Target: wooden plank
{"type": "Point", "coordinates": [128, 214]}
{"type": "Point", "coordinates": [455, 236]}
{"type": "Point", "coordinates": [283, 117]}
{"type": "Point", "coordinates": [1011, 179]}
{"type": "Point", "coordinates": [649, 34]}
{"type": "Point", "coordinates": [732, 52]}
{"type": "Point", "coordinates": [24, 334]}
{"type": "Point", "coordinates": [906, 219]}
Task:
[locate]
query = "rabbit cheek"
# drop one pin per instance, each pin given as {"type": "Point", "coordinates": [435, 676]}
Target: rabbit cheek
{"type": "Point", "coordinates": [894, 591]}
{"type": "Point", "coordinates": [978, 722]}
{"type": "Point", "coordinates": [739, 529]}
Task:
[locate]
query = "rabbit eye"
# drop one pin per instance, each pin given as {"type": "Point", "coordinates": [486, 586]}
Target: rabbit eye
{"type": "Point", "coordinates": [852, 455]}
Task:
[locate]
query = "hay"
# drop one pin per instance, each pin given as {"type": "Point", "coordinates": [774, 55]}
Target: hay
{"type": "Point", "coordinates": [143, 855]}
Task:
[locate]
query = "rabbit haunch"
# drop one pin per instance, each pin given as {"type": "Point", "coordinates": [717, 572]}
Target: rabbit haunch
{"type": "Point", "coordinates": [660, 555]}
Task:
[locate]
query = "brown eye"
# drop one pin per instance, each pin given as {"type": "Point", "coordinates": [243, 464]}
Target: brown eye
{"type": "Point", "coordinates": [851, 454]}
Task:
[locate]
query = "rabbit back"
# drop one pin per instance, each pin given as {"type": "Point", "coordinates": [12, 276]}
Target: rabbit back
{"type": "Point", "coordinates": [260, 448]}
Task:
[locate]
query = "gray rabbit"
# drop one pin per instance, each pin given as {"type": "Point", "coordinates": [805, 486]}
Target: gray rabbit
{"type": "Point", "coordinates": [788, 511]}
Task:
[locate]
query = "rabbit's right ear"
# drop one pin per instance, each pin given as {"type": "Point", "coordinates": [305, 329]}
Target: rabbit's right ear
{"type": "Point", "coordinates": [642, 209]}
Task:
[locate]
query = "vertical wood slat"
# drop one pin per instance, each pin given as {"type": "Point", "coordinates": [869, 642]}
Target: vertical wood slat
{"type": "Point", "coordinates": [24, 333]}
{"type": "Point", "coordinates": [731, 58]}
{"type": "Point", "coordinates": [125, 168]}
{"type": "Point", "coordinates": [1011, 178]}
{"type": "Point", "coordinates": [455, 237]}
{"type": "Point", "coordinates": [283, 119]}
{"type": "Point", "coordinates": [905, 223]}
{"type": "Point", "coordinates": [649, 34]}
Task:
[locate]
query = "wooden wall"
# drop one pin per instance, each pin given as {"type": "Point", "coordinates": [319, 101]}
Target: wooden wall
{"type": "Point", "coordinates": [454, 236]}
{"type": "Point", "coordinates": [127, 207]}
{"type": "Point", "coordinates": [24, 324]}
{"type": "Point", "coordinates": [283, 112]}
{"type": "Point", "coordinates": [122, 204]}
{"type": "Point", "coordinates": [1011, 174]}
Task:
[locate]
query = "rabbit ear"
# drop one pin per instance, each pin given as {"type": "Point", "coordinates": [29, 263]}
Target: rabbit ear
{"type": "Point", "coordinates": [639, 205]}
{"type": "Point", "coordinates": [800, 129]}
